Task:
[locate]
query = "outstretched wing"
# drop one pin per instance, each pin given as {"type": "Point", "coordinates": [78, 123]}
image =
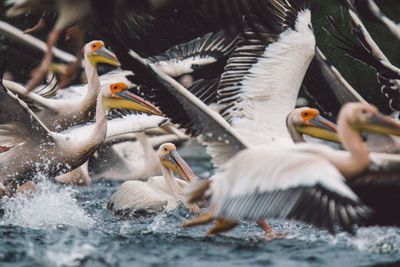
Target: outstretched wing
{"type": "Point", "coordinates": [362, 47]}
{"type": "Point", "coordinates": [268, 183]}
{"type": "Point", "coordinates": [18, 122]}
{"type": "Point", "coordinates": [188, 57]}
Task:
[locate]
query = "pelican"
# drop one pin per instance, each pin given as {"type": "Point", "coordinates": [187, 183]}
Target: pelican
{"type": "Point", "coordinates": [69, 12]}
{"type": "Point", "coordinates": [121, 161]}
{"type": "Point", "coordinates": [157, 194]}
{"type": "Point", "coordinates": [376, 187]}
{"type": "Point", "coordinates": [254, 95]}
{"type": "Point", "coordinates": [60, 114]}
{"type": "Point", "coordinates": [289, 55]}
{"type": "Point", "coordinates": [243, 192]}
{"type": "Point", "coordinates": [308, 121]}
{"type": "Point", "coordinates": [39, 150]}
{"type": "Point", "coordinates": [212, 128]}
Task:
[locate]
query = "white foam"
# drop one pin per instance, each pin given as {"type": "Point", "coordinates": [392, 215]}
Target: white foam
{"type": "Point", "coordinates": [379, 240]}
{"type": "Point", "coordinates": [51, 207]}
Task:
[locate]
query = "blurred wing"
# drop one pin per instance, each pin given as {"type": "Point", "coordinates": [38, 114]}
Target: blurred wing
{"type": "Point", "coordinates": [188, 111]}
{"type": "Point", "coordinates": [18, 122]}
{"type": "Point", "coordinates": [191, 56]}
{"type": "Point", "coordinates": [378, 187]}
{"type": "Point", "coordinates": [282, 183]}
{"type": "Point", "coordinates": [117, 126]}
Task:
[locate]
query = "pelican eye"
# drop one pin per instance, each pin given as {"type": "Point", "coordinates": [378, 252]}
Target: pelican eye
{"type": "Point", "coordinates": [165, 149]}
{"type": "Point", "coordinates": [306, 114]}
{"type": "Point", "coordinates": [364, 111]}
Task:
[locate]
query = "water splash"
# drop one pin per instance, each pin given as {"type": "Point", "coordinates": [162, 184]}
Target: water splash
{"type": "Point", "coordinates": [379, 240]}
{"type": "Point", "coordinates": [51, 207]}
{"type": "Point", "coordinates": [159, 224]}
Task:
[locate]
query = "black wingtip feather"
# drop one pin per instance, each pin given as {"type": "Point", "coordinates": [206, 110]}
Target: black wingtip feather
{"type": "Point", "coordinates": [311, 205]}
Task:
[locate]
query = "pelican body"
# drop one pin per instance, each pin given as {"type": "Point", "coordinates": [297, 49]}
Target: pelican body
{"type": "Point", "coordinates": [60, 114]}
{"type": "Point", "coordinates": [157, 194]}
{"type": "Point", "coordinates": [38, 150]}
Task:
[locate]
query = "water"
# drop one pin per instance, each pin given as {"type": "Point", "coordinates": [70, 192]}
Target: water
{"type": "Point", "coordinates": [68, 226]}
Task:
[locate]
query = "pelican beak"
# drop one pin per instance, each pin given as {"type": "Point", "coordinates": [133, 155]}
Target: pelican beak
{"type": "Point", "coordinates": [103, 55]}
{"type": "Point", "coordinates": [323, 123]}
{"type": "Point", "coordinates": [320, 128]}
{"type": "Point", "coordinates": [174, 162]}
{"type": "Point", "coordinates": [380, 123]}
{"type": "Point", "coordinates": [129, 100]}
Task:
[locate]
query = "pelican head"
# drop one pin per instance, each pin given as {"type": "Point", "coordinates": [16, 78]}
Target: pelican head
{"type": "Point", "coordinates": [96, 52]}
{"type": "Point", "coordinates": [366, 117]}
{"type": "Point", "coordinates": [308, 121]}
{"type": "Point", "coordinates": [170, 159]}
{"type": "Point", "coordinates": [117, 96]}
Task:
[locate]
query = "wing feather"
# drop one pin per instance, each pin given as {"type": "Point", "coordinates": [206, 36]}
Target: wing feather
{"type": "Point", "coordinates": [282, 183]}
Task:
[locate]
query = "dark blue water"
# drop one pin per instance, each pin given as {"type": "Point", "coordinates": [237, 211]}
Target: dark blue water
{"type": "Point", "coordinates": [66, 226]}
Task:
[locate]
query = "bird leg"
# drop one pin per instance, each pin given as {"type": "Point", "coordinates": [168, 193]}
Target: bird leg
{"type": "Point", "coordinates": [193, 208]}
{"type": "Point", "coordinates": [222, 226]}
{"type": "Point", "coordinates": [38, 73]}
{"type": "Point", "coordinates": [201, 219]}
{"type": "Point", "coordinates": [269, 232]}
{"type": "Point", "coordinates": [77, 32]}
{"type": "Point", "coordinates": [39, 25]}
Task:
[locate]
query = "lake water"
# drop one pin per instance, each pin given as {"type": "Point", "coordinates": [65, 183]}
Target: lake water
{"type": "Point", "coordinates": [68, 226]}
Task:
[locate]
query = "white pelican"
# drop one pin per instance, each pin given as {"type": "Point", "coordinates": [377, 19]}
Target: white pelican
{"type": "Point", "coordinates": [121, 161]}
{"type": "Point", "coordinates": [256, 183]}
{"type": "Point", "coordinates": [69, 12]}
{"type": "Point", "coordinates": [254, 94]}
{"type": "Point", "coordinates": [38, 150]}
{"type": "Point", "coordinates": [308, 121]}
{"type": "Point", "coordinates": [60, 114]}
{"type": "Point", "coordinates": [182, 107]}
{"type": "Point", "coordinates": [376, 187]}
{"type": "Point", "coordinates": [330, 91]}
{"type": "Point", "coordinates": [157, 194]}
{"type": "Point", "coordinates": [212, 128]}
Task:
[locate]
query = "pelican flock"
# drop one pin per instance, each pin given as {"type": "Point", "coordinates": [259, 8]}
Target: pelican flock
{"type": "Point", "coordinates": [231, 85]}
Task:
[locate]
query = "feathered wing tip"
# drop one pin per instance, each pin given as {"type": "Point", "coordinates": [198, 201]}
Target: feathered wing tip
{"type": "Point", "coordinates": [363, 48]}
{"type": "Point", "coordinates": [17, 119]}
{"type": "Point", "coordinates": [312, 205]}
{"type": "Point", "coordinates": [197, 53]}
{"type": "Point", "coordinates": [205, 90]}
{"type": "Point", "coordinates": [185, 109]}
{"type": "Point", "coordinates": [293, 188]}
{"type": "Point", "coordinates": [50, 89]}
